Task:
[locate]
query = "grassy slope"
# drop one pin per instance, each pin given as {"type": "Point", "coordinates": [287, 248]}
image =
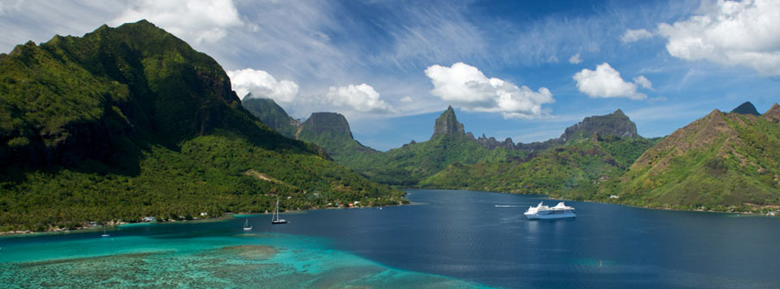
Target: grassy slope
{"type": "Point", "coordinates": [130, 122]}
{"type": "Point", "coordinates": [719, 161]}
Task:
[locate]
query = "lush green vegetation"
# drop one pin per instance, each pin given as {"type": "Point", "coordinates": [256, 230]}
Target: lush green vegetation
{"type": "Point", "coordinates": [573, 171]}
{"type": "Point", "coordinates": [408, 165]}
{"type": "Point", "coordinates": [217, 173]}
{"type": "Point", "coordinates": [131, 122]}
{"type": "Point", "coordinates": [272, 115]}
{"type": "Point", "coordinates": [721, 162]}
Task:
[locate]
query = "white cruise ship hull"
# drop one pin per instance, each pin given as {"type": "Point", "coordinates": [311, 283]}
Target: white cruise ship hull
{"type": "Point", "coordinates": [550, 215]}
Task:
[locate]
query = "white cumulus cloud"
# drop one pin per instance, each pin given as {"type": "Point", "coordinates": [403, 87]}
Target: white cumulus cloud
{"type": "Point", "coordinates": [605, 82]}
{"type": "Point", "coordinates": [635, 35]}
{"type": "Point", "coordinates": [362, 98]}
{"type": "Point", "coordinates": [262, 85]}
{"type": "Point", "coordinates": [193, 20]}
{"type": "Point", "coordinates": [465, 86]}
{"type": "Point", "coordinates": [575, 59]}
{"type": "Point", "coordinates": [743, 33]}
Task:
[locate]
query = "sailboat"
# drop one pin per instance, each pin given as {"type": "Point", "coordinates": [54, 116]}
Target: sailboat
{"type": "Point", "coordinates": [105, 235]}
{"type": "Point", "coordinates": [275, 219]}
{"type": "Point", "coordinates": [247, 227]}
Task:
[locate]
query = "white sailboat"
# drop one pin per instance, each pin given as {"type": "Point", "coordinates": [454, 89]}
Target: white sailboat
{"type": "Point", "coordinates": [275, 219]}
{"type": "Point", "coordinates": [105, 235]}
{"type": "Point", "coordinates": [247, 227]}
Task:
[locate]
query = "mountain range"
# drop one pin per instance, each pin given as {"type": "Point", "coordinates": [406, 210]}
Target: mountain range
{"type": "Point", "coordinates": [129, 122]}
{"type": "Point", "coordinates": [725, 161]}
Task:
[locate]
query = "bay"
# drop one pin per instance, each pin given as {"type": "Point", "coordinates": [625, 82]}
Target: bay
{"type": "Point", "coordinates": [446, 239]}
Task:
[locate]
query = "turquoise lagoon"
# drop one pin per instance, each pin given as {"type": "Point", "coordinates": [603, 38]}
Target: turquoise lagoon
{"type": "Point", "coordinates": [448, 239]}
{"type": "Point", "coordinates": [242, 260]}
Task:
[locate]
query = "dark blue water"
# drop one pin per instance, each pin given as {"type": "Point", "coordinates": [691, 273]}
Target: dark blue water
{"type": "Point", "coordinates": [464, 235]}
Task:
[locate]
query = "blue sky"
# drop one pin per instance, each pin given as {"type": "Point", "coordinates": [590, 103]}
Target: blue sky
{"type": "Point", "coordinates": [519, 69]}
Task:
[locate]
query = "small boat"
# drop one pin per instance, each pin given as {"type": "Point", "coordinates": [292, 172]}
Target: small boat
{"type": "Point", "coordinates": [247, 227]}
{"type": "Point", "coordinates": [541, 211]}
{"type": "Point", "coordinates": [105, 235]}
{"type": "Point", "coordinates": [275, 219]}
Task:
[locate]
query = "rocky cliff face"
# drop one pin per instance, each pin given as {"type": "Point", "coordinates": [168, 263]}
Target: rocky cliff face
{"type": "Point", "coordinates": [328, 122]}
{"type": "Point", "coordinates": [746, 108]}
{"type": "Point", "coordinates": [616, 123]}
{"type": "Point", "coordinates": [493, 143]}
{"type": "Point", "coordinates": [447, 124]}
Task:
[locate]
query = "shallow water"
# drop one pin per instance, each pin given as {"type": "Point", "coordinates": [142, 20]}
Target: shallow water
{"type": "Point", "coordinates": [244, 260]}
{"type": "Point", "coordinates": [451, 239]}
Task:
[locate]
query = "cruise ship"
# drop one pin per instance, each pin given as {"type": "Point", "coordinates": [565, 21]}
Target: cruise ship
{"type": "Point", "coordinates": [541, 211]}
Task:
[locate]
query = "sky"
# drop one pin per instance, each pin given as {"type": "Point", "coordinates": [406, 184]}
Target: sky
{"type": "Point", "coordinates": [519, 69]}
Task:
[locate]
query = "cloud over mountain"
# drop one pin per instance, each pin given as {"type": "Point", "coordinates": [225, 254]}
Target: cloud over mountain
{"type": "Point", "coordinates": [356, 98]}
{"type": "Point", "coordinates": [263, 85]}
{"type": "Point", "coordinates": [606, 82]}
{"type": "Point", "coordinates": [193, 20]}
{"type": "Point", "coordinates": [465, 86]}
{"type": "Point", "coordinates": [361, 98]}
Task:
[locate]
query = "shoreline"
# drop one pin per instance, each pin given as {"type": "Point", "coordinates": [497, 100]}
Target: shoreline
{"type": "Point", "coordinates": [88, 227]}
{"type": "Point", "coordinates": [752, 213]}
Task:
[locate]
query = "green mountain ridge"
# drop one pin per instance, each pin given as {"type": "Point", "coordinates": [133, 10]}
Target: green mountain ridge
{"type": "Point", "coordinates": [591, 152]}
{"type": "Point", "coordinates": [272, 115]}
{"type": "Point", "coordinates": [331, 131]}
{"type": "Point", "coordinates": [719, 161]}
{"type": "Point", "coordinates": [572, 171]}
{"type": "Point", "coordinates": [449, 144]}
{"type": "Point", "coordinates": [601, 158]}
{"type": "Point", "coordinates": [129, 122]}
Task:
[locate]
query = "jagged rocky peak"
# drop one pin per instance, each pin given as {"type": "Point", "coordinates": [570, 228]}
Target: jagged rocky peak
{"type": "Point", "coordinates": [746, 108]}
{"type": "Point", "coordinates": [493, 143]}
{"type": "Point", "coordinates": [616, 123]}
{"type": "Point", "coordinates": [447, 124]}
{"type": "Point", "coordinates": [320, 122]}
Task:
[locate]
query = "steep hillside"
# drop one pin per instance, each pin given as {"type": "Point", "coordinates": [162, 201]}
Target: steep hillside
{"type": "Point", "coordinates": [719, 161]}
{"type": "Point", "coordinates": [330, 131]}
{"type": "Point", "coordinates": [272, 115]}
{"type": "Point", "coordinates": [131, 121]}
